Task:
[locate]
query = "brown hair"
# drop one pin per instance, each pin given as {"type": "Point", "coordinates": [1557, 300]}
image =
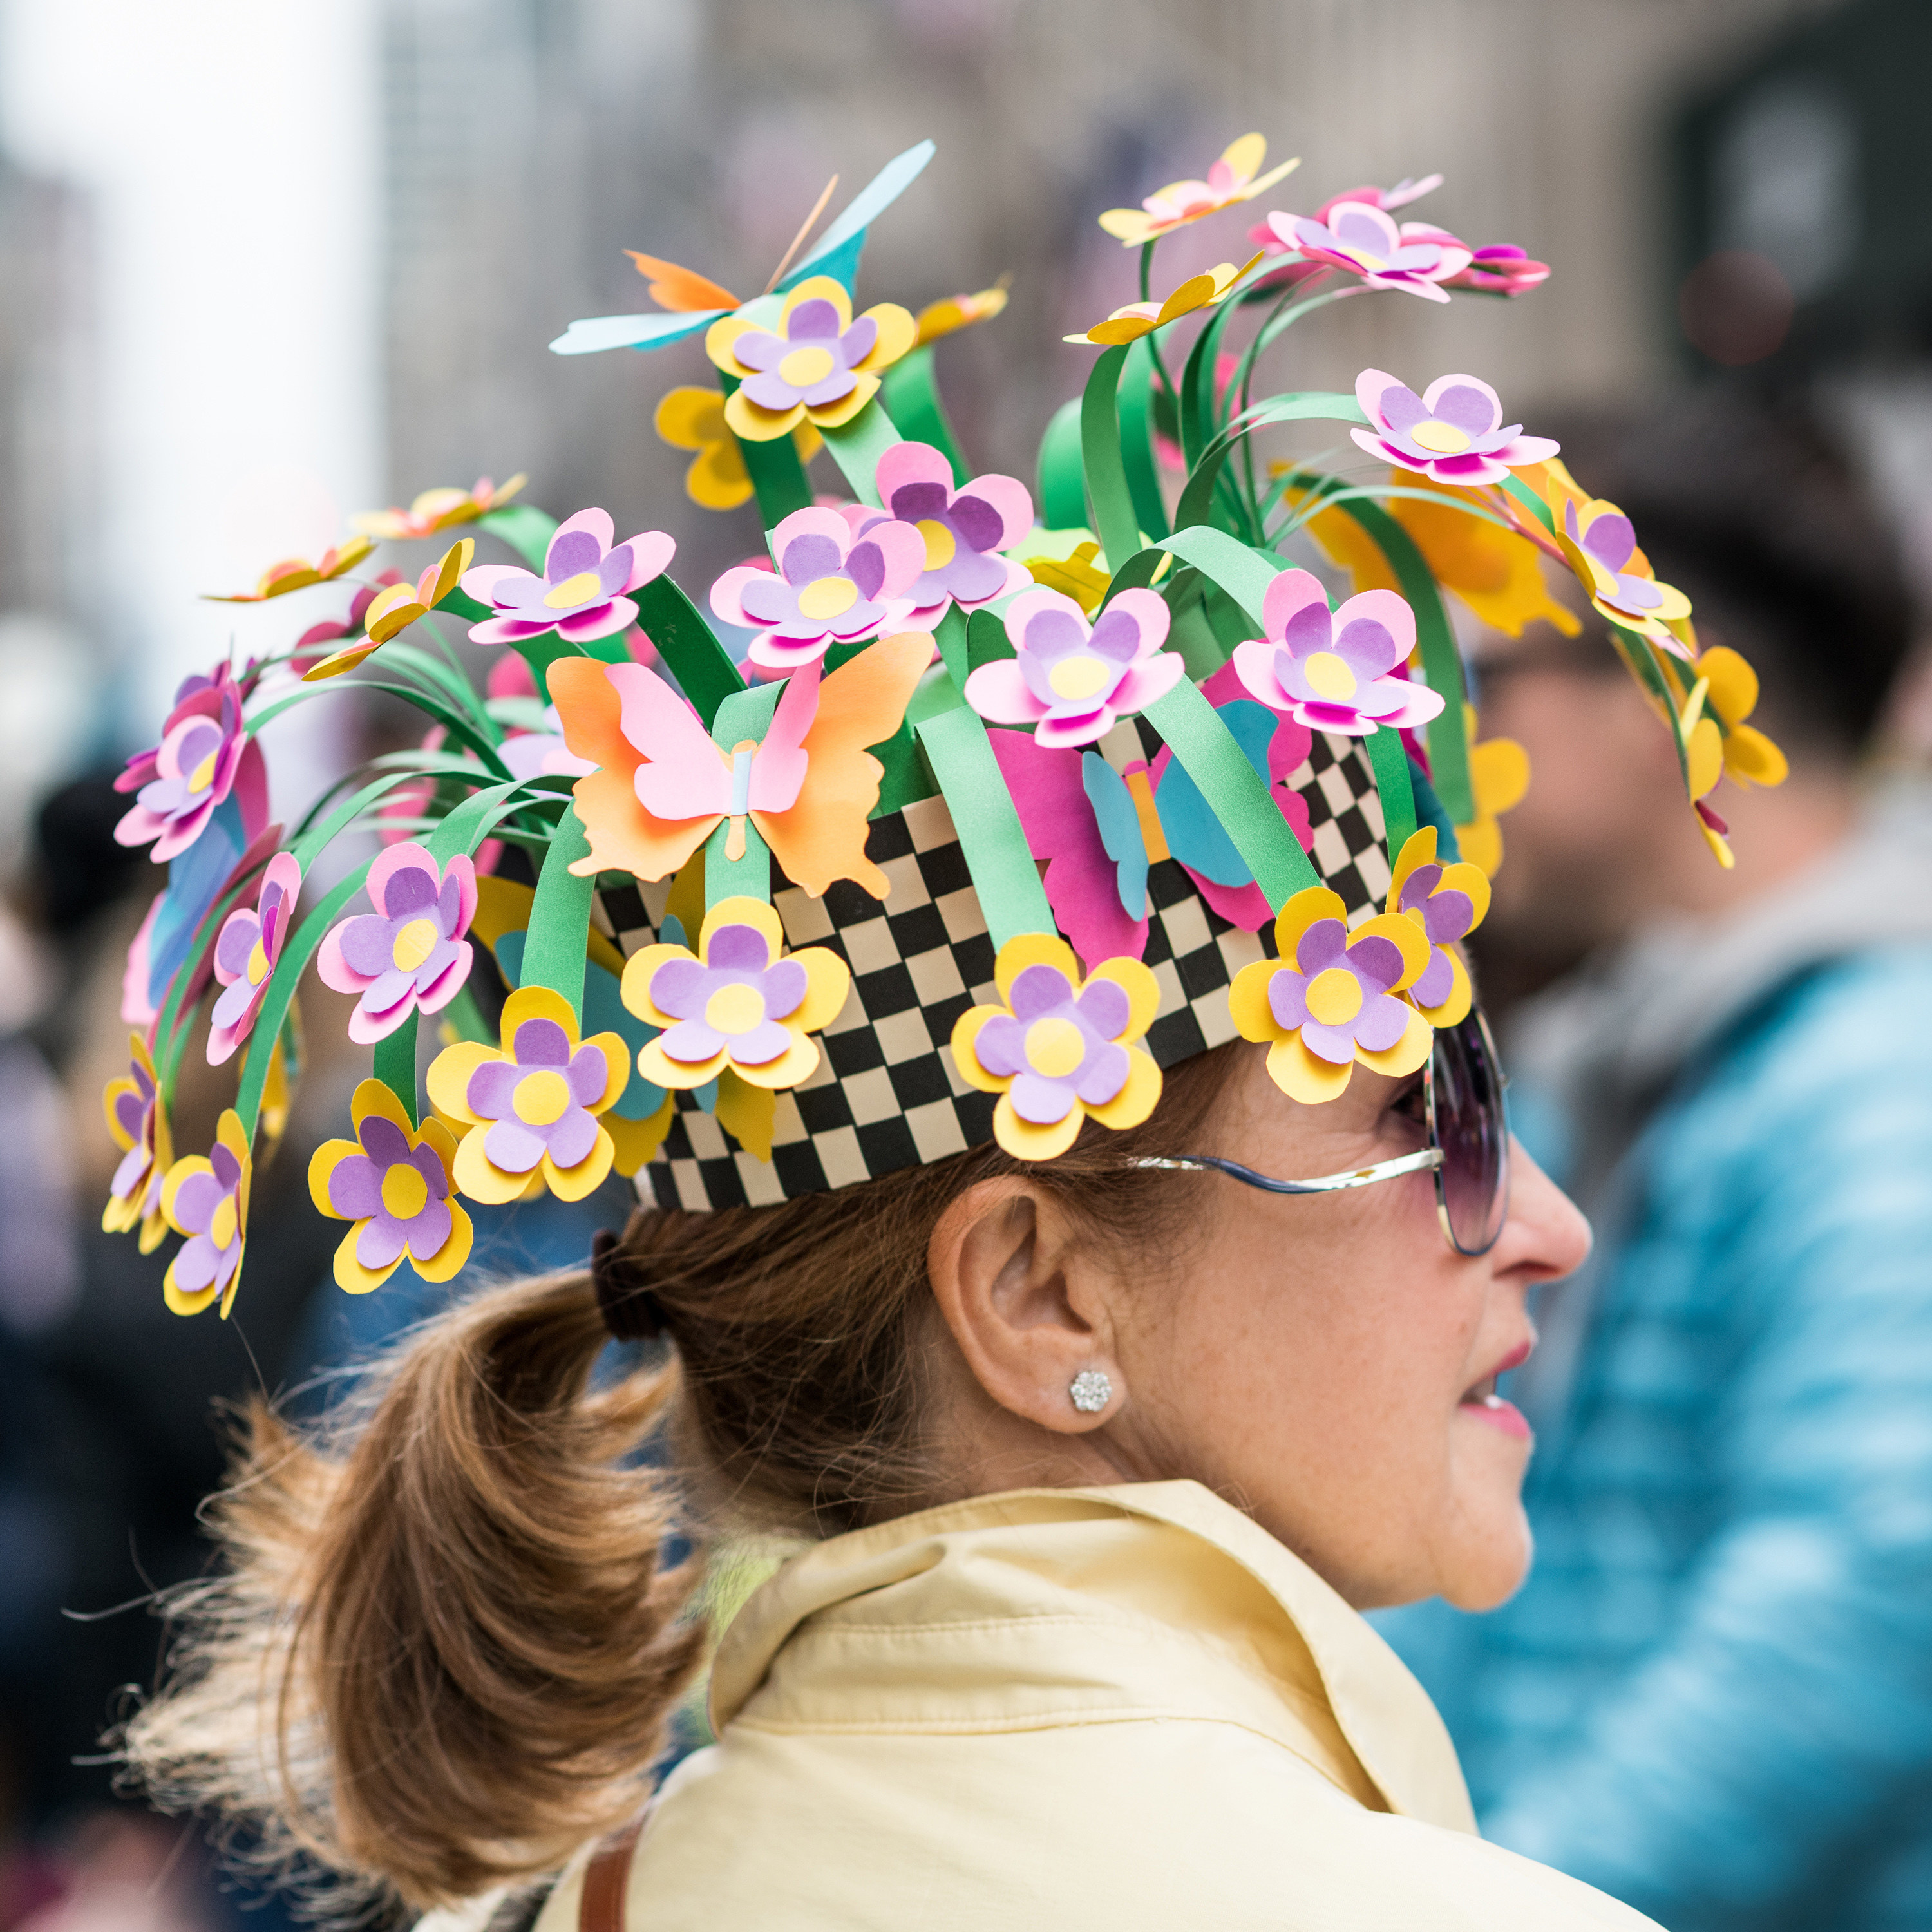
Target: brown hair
{"type": "Point", "coordinates": [444, 1648]}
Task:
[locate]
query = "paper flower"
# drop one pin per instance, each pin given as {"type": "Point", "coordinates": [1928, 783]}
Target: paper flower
{"type": "Point", "coordinates": [1071, 681]}
{"type": "Point", "coordinates": [1750, 758]}
{"type": "Point", "coordinates": [1330, 670]}
{"type": "Point", "coordinates": [580, 594]}
{"type": "Point", "coordinates": [830, 587]}
{"type": "Point", "coordinates": [1057, 1052]}
{"type": "Point", "coordinates": [1077, 574]}
{"type": "Point", "coordinates": [961, 530]}
{"type": "Point", "coordinates": [1330, 1000]}
{"type": "Point", "coordinates": [1139, 318]}
{"type": "Point", "coordinates": [396, 1182]}
{"type": "Point", "coordinates": [1599, 544]}
{"type": "Point", "coordinates": [138, 1123]}
{"type": "Point", "coordinates": [1234, 178]}
{"type": "Point", "coordinates": [736, 1002]}
{"type": "Point", "coordinates": [394, 608]}
{"type": "Point", "coordinates": [297, 573]}
{"type": "Point", "coordinates": [1448, 902]}
{"type": "Point", "coordinates": [1360, 238]}
{"type": "Point", "coordinates": [204, 754]}
{"type": "Point", "coordinates": [820, 366]}
{"type": "Point", "coordinates": [205, 1197]}
{"type": "Point", "coordinates": [533, 1104]}
{"type": "Point", "coordinates": [409, 954]}
{"type": "Point", "coordinates": [306, 652]}
{"type": "Point", "coordinates": [689, 418]}
{"type": "Point", "coordinates": [437, 510]}
{"type": "Point", "coordinates": [953, 313]}
{"type": "Point", "coordinates": [250, 944]}
{"type": "Point", "coordinates": [1498, 779]}
{"type": "Point", "coordinates": [1501, 269]}
{"type": "Point", "coordinates": [1452, 432]}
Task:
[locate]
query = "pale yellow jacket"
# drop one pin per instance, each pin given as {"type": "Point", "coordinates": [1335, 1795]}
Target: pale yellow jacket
{"type": "Point", "coordinates": [1129, 1709]}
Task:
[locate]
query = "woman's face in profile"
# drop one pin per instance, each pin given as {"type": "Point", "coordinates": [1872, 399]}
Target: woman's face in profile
{"type": "Point", "coordinates": [1329, 1362]}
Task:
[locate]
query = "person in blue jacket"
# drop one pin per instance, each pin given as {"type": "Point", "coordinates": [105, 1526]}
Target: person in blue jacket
{"type": "Point", "coordinates": [1713, 1698]}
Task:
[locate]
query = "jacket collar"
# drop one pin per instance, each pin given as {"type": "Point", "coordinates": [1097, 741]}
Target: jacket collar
{"type": "Point", "coordinates": [1040, 1607]}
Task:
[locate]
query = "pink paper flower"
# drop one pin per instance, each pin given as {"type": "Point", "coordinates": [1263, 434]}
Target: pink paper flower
{"type": "Point", "coordinates": [962, 530]}
{"type": "Point", "coordinates": [204, 754]}
{"type": "Point", "coordinates": [830, 586]}
{"type": "Point", "coordinates": [1330, 670]}
{"type": "Point", "coordinates": [245, 953]}
{"type": "Point", "coordinates": [581, 594]}
{"type": "Point", "coordinates": [1361, 238]}
{"type": "Point", "coordinates": [1501, 269]}
{"type": "Point", "coordinates": [1453, 431]}
{"type": "Point", "coordinates": [1072, 681]}
{"type": "Point", "coordinates": [409, 954]}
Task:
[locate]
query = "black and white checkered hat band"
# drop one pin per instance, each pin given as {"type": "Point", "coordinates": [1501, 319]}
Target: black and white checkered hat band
{"type": "Point", "coordinates": [885, 1095]}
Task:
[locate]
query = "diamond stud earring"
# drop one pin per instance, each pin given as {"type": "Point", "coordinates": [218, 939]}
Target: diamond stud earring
{"type": "Point", "coordinates": [1091, 1391]}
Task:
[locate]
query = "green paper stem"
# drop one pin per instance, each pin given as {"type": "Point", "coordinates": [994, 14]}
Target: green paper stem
{"type": "Point", "coordinates": [1243, 573]}
{"type": "Point", "coordinates": [1532, 502]}
{"type": "Point", "coordinates": [1197, 498]}
{"type": "Point", "coordinates": [525, 528]}
{"type": "Point", "coordinates": [950, 635]}
{"type": "Point", "coordinates": [459, 727]}
{"type": "Point", "coordinates": [1189, 633]}
{"type": "Point", "coordinates": [1392, 783]}
{"type": "Point", "coordinates": [1062, 485]}
{"type": "Point", "coordinates": [395, 1066]}
{"type": "Point", "coordinates": [986, 639]}
{"type": "Point", "coordinates": [1136, 574]}
{"type": "Point", "coordinates": [725, 877]}
{"type": "Point", "coordinates": [688, 644]}
{"type": "Point", "coordinates": [1004, 876]}
{"type": "Point", "coordinates": [779, 481]}
{"type": "Point", "coordinates": [909, 390]}
{"type": "Point", "coordinates": [1197, 386]}
{"type": "Point", "coordinates": [1136, 409]}
{"type": "Point", "coordinates": [857, 445]}
{"type": "Point", "coordinates": [559, 928]}
{"type": "Point", "coordinates": [1107, 491]}
{"type": "Point", "coordinates": [1237, 794]}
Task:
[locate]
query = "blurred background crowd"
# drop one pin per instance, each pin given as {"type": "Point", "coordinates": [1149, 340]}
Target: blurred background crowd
{"type": "Point", "coordinates": [265, 263]}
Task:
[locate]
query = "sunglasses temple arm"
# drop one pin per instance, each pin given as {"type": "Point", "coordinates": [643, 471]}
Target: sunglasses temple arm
{"type": "Point", "coordinates": [1327, 1183]}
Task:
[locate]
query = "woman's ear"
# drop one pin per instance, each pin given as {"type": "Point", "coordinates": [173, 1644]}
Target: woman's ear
{"type": "Point", "coordinates": [1027, 1304]}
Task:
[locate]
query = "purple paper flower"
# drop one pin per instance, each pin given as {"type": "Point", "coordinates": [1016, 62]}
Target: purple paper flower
{"type": "Point", "coordinates": [1337, 993]}
{"type": "Point", "coordinates": [1072, 681]}
{"type": "Point", "coordinates": [731, 1002]}
{"type": "Point", "coordinates": [1330, 670]}
{"type": "Point", "coordinates": [811, 362]}
{"type": "Point", "coordinates": [580, 594]}
{"type": "Point", "coordinates": [394, 1182]}
{"type": "Point", "coordinates": [538, 1098]}
{"type": "Point", "coordinates": [830, 586]}
{"type": "Point", "coordinates": [1453, 431]}
{"type": "Point", "coordinates": [962, 530]}
{"type": "Point", "coordinates": [1061, 1048]}
{"type": "Point", "coordinates": [245, 953]}
{"type": "Point", "coordinates": [1359, 237]}
{"type": "Point", "coordinates": [206, 1198]}
{"type": "Point", "coordinates": [202, 756]}
{"type": "Point", "coordinates": [409, 954]}
{"type": "Point", "coordinates": [1448, 903]}
{"type": "Point", "coordinates": [1501, 269]}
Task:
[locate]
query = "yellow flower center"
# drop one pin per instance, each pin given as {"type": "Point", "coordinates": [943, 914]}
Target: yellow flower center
{"type": "Point", "coordinates": [414, 944]}
{"type": "Point", "coordinates": [1330, 675]}
{"type": "Point", "coordinates": [577, 590]}
{"type": "Point", "coordinates": [541, 1098]}
{"type": "Point", "coordinates": [221, 1228]}
{"type": "Point", "coordinates": [1055, 1047]}
{"type": "Point", "coordinates": [405, 1192]}
{"type": "Point", "coordinates": [827, 597]}
{"type": "Point", "coordinates": [940, 546]}
{"type": "Point", "coordinates": [202, 776]}
{"type": "Point", "coordinates": [805, 368]}
{"type": "Point", "coordinates": [1079, 677]}
{"type": "Point", "coordinates": [1444, 439]}
{"type": "Point", "coordinates": [1368, 262]}
{"type": "Point", "coordinates": [1334, 996]}
{"type": "Point", "coordinates": [258, 964]}
{"type": "Point", "coordinates": [735, 1009]}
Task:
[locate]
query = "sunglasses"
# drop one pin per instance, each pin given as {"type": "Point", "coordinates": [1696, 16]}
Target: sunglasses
{"type": "Point", "coordinates": [1467, 1149]}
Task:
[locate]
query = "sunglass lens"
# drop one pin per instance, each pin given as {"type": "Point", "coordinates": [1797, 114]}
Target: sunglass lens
{"type": "Point", "coordinates": [1470, 1130]}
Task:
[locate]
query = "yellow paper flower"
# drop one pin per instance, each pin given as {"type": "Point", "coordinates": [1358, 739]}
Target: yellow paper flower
{"type": "Point", "coordinates": [1139, 318]}
{"type": "Point", "coordinates": [437, 510]}
{"type": "Point", "coordinates": [1499, 778]}
{"type": "Point", "coordinates": [738, 1004]}
{"type": "Point", "coordinates": [819, 365]}
{"type": "Point", "coordinates": [394, 1183]}
{"type": "Point", "coordinates": [1075, 576]}
{"type": "Point", "coordinates": [395, 608]}
{"type": "Point", "coordinates": [138, 1119]}
{"type": "Point", "coordinates": [1233, 178]}
{"type": "Point", "coordinates": [531, 1109]}
{"type": "Point", "coordinates": [297, 573]}
{"type": "Point", "coordinates": [205, 1197]}
{"type": "Point", "coordinates": [1330, 998]}
{"type": "Point", "coordinates": [1448, 902]}
{"type": "Point", "coordinates": [1717, 743]}
{"type": "Point", "coordinates": [691, 417]}
{"type": "Point", "coordinates": [953, 313]}
{"type": "Point", "coordinates": [1058, 1052]}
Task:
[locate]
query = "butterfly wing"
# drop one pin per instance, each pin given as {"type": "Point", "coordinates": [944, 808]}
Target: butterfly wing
{"type": "Point", "coordinates": [1119, 821]}
{"type": "Point", "coordinates": [821, 836]}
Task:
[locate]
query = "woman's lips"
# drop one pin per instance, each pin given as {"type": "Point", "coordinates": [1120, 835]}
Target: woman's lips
{"type": "Point", "coordinates": [1500, 1414]}
{"type": "Point", "coordinates": [1514, 1359]}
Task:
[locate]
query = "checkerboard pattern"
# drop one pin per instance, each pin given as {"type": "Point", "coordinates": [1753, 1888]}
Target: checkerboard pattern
{"type": "Point", "coordinates": [886, 1094]}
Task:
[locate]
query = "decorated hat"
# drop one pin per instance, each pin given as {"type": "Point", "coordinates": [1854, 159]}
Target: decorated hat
{"type": "Point", "coordinates": [957, 813]}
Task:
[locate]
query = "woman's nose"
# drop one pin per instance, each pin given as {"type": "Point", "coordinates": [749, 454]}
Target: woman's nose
{"type": "Point", "coordinates": [1546, 1232]}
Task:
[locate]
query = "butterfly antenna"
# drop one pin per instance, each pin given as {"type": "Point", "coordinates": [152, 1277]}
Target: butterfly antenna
{"type": "Point", "coordinates": [798, 240]}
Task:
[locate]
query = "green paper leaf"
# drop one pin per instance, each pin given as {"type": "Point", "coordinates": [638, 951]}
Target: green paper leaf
{"type": "Point", "coordinates": [1107, 491]}
{"type": "Point", "coordinates": [1242, 571]}
{"type": "Point", "coordinates": [1062, 485]}
{"type": "Point", "coordinates": [1136, 405]}
{"type": "Point", "coordinates": [745, 714]}
{"type": "Point", "coordinates": [688, 644]}
{"type": "Point", "coordinates": [1392, 785]}
{"type": "Point", "coordinates": [857, 445]}
{"type": "Point", "coordinates": [525, 528]}
{"type": "Point", "coordinates": [559, 928]}
{"type": "Point", "coordinates": [395, 1066]}
{"type": "Point", "coordinates": [1197, 500]}
{"type": "Point", "coordinates": [909, 390]}
{"type": "Point", "coordinates": [1005, 877]}
{"type": "Point", "coordinates": [951, 637]}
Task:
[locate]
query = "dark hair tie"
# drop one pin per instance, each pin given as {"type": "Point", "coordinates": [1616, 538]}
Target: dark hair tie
{"type": "Point", "coordinates": [631, 1312]}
